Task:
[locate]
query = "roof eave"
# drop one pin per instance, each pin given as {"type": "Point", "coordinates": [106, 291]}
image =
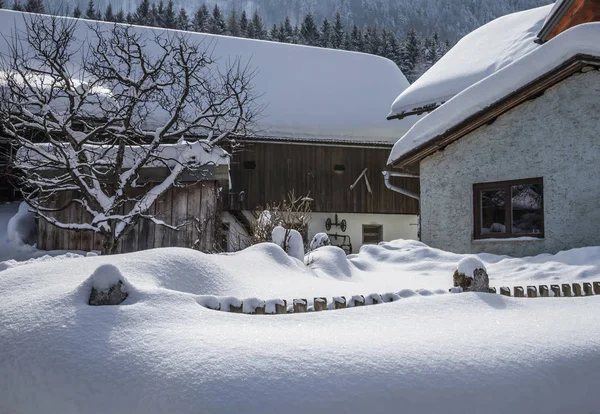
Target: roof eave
{"type": "Point", "coordinates": [490, 113]}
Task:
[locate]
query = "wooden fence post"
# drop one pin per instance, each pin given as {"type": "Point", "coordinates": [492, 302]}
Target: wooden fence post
{"type": "Point", "coordinates": [339, 302]}
{"type": "Point", "coordinates": [519, 292]}
{"type": "Point", "coordinates": [320, 304]}
{"type": "Point", "coordinates": [492, 290]}
{"type": "Point", "coordinates": [300, 305]}
{"type": "Point", "coordinates": [596, 288]}
{"type": "Point", "coordinates": [359, 300]}
{"type": "Point", "coordinates": [566, 288]}
{"type": "Point", "coordinates": [544, 291]}
{"type": "Point", "coordinates": [576, 289]}
{"type": "Point", "coordinates": [587, 289]}
{"type": "Point", "coordinates": [281, 309]}
{"type": "Point", "coordinates": [236, 309]}
{"type": "Point", "coordinates": [505, 291]}
{"type": "Point", "coordinates": [556, 290]}
{"type": "Point", "coordinates": [531, 292]}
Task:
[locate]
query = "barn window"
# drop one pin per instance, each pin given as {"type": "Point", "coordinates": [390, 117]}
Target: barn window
{"type": "Point", "coordinates": [339, 168]}
{"type": "Point", "coordinates": [372, 233]}
{"type": "Point", "coordinates": [509, 209]}
{"type": "Point", "coordinates": [249, 165]}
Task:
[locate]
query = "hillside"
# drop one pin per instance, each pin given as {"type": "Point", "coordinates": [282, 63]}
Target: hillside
{"type": "Point", "coordinates": [452, 19]}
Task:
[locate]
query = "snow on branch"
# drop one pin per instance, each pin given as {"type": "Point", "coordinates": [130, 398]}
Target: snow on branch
{"type": "Point", "coordinates": [90, 105]}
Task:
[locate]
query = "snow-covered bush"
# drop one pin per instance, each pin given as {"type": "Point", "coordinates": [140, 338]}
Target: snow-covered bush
{"type": "Point", "coordinates": [319, 240]}
{"type": "Point", "coordinates": [290, 241]}
{"type": "Point", "coordinates": [21, 228]}
{"type": "Point", "coordinates": [471, 275]}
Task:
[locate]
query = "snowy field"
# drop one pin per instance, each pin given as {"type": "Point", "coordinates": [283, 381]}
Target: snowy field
{"type": "Point", "coordinates": [429, 352]}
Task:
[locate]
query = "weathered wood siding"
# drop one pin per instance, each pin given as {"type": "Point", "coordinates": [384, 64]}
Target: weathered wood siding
{"type": "Point", "coordinates": [176, 206]}
{"type": "Point", "coordinates": [309, 169]}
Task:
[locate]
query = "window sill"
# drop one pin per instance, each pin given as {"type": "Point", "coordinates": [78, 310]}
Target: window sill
{"type": "Point", "coordinates": [509, 239]}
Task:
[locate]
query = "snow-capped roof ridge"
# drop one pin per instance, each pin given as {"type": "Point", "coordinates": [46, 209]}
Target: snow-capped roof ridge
{"type": "Point", "coordinates": [578, 40]}
{"type": "Point", "coordinates": [327, 87]}
{"type": "Point", "coordinates": [476, 56]}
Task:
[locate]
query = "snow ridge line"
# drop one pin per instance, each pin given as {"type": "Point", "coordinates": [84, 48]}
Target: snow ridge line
{"type": "Point", "coordinates": [254, 306]}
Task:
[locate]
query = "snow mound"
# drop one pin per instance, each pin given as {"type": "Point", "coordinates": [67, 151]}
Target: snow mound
{"type": "Point", "coordinates": [468, 265]}
{"type": "Point", "coordinates": [22, 228]}
{"type": "Point", "coordinates": [319, 240]}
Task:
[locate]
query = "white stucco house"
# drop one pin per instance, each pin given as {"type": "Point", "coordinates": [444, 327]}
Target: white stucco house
{"type": "Point", "coordinates": [509, 164]}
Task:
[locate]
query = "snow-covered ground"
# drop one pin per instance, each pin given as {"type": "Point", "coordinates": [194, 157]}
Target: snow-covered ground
{"type": "Point", "coordinates": [160, 351]}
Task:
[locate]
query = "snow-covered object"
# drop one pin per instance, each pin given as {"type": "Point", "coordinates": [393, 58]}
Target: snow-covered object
{"type": "Point", "coordinates": [390, 297]}
{"type": "Point", "coordinates": [319, 240]}
{"type": "Point", "coordinates": [373, 298]}
{"type": "Point", "coordinates": [475, 57]}
{"type": "Point", "coordinates": [292, 240]}
{"type": "Point", "coordinates": [228, 301]}
{"type": "Point", "coordinates": [106, 276]}
{"type": "Point", "coordinates": [328, 87]}
{"type": "Point", "coordinates": [271, 305]}
{"type": "Point", "coordinates": [468, 265]}
{"type": "Point", "coordinates": [21, 228]}
{"type": "Point", "coordinates": [210, 302]}
{"type": "Point", "coordinates": [165, 353]}
{"type": "Point", "coordinates": [251, 304]}
{"type": "Point", "coordinates": [581, 39]}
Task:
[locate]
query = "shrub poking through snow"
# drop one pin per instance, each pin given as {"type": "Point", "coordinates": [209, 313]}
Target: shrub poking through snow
{"type": "Point", "coordinates": [319, 240]}
{"type": "Point", "coordinates": [290, 241]}
{"type": "Point", "coordinates": [471, 275]}
{"type": "Point", "coordinates": [107, 286]}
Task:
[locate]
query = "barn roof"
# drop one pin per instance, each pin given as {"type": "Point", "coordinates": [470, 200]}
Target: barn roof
{"type": "Point", "coordinates": [308, 93]}
{"type": "Point", "coordinates": [566, 53]}
{"type": "Point", "coordinates": [476, 56]}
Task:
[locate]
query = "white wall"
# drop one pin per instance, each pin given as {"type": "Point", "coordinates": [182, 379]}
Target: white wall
{"type": "Point", "coordinates": [557, 137]}
{"type": "Point", "coordinates": [395, 226]}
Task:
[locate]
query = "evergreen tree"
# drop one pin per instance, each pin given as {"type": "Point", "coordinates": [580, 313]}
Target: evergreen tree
{"type": "Point", "coordinates": [309, 34]}
{"type": "Point", "coordinates": [216, 23]}
{"type": "Point", "coordinates": [233, 25]}
{"type": "Point", "coordinates": [337, 38]}
{"type": "Point", "coordinates": [108, 14]}
{"type": "Point", "coordinates": [77, 12]}
{"type": "Point", "coordinates": [2, 4]}
{"type": "Point", "coordinates": [169, 19]}
{"type": "Point", "coordinates": [356, 39]}
{"type": "Point", "coordinates": [143, 13]}
{"type": "Point", "coordinates": [34, 6]}
{"type": "Point", "coordinates": [17, 6]}
{"type": "Point", "coordinates": [256, 28]}
{"type": "Point", "coordinates": [325, 37]}
{"type": "Point", "coordinates": [183, 21]}
{"type": "Point", "coordinates": [90, 13]}
{"type": "Point", "coordinates": [120, 16]}
{"type": "Point", "coordinates": [410, 54]}
{"type": "Point", "coordinates": [274, 34]}
{"type": "Point", "coordinates": [390, 47]}
{"type": "Point", "coordinates": [130, 18]}
{"type": "Point", "coordinates": [287, 31]}
{"type": "Point", "coordinates": [296, 35]}
{"type": "Point", "coordinates": [244, 25]}
{"type": "Point", "coordinates": [371, 42]}
{"type": "Point", "coordinates": [201, 18]}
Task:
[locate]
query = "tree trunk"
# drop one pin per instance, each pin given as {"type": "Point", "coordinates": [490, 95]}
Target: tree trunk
{"type": "Point", "coordinates": [109, 244]}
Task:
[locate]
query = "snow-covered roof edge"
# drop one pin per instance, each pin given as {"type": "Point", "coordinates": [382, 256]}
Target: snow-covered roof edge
{"type": "Point", "coordinates": [579, 40]}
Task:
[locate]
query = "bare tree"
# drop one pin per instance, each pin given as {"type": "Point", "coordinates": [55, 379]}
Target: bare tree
{"type": "Point", "coordinates": [90, 105]}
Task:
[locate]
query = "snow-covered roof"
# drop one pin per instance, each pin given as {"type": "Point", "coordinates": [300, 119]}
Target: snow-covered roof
{"type": "Point", "coordinates": [309, 93]}
{"type": "Point", "coordinates": [579, 40]}
{"type": "Point", "coordinates": [476, 56]}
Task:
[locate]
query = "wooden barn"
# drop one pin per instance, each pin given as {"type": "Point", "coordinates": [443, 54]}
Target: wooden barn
{"type": "Point", "coordinates": [322, 132]}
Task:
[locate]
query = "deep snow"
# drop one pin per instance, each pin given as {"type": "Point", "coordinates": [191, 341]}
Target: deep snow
{"type": "Point", "coordinates": [165, 350]}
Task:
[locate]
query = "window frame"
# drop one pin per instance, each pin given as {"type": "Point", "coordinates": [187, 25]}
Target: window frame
{"type": "Point", "coordinates": [506, 186]}
{"type": "Point", "coordinates": [380, 233]}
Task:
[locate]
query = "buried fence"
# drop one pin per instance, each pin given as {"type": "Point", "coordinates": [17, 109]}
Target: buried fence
{"type": "Point", "coordinates": [255, 306]}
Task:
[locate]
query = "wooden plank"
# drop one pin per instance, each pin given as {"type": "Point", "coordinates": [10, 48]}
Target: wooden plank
{"type": "Point", "coordinates": [162, 235]}
{"type": "Point", "coordinates": [576, 289]}
{"type": "Point", "coordinates": [300, 305]}
{"type": "Point", "coordinates": [180, 238]}
{"type": "Point", "coordinates": [519, 292]}
{"type": "Point", "coordinates": [146, 231]}
{"type": "Point", "coordinates": [587, 289]}
{"type": "Point", "coordinates": [531, 292]}
{"type": "Point", "coordinates": [194, 207]}
{"type": "Point", "coordinates": [208, 218]}
{"type": "Point", "coordinates": [505, 291]}
{"type": "Point", "coordinates": [544, 292]}
{"type": "Point", "coordinates": [320, 304]}
{"type": "Point", "coordinates": [596, 286]}
{"type": "Point", "coordinates": [566, 289]}
{"type": "Point", "coordinates": [492, 290]}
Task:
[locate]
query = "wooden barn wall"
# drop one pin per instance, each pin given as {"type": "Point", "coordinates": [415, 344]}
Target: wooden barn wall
{"type": "Point", "coordinates": [580, 12]}
{"type": "Point", "coordinates": [176, 206]}
{"type": "Point", "coordinates": [309, 169]}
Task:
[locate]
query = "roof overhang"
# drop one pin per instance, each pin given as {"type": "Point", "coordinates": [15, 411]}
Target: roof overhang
{"type": "Point", "coordinates": [534, 89]}
{"type": "Point", "coordinates": [553, 19]}
{"type": "Point", "coordinates": [416, 111]}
